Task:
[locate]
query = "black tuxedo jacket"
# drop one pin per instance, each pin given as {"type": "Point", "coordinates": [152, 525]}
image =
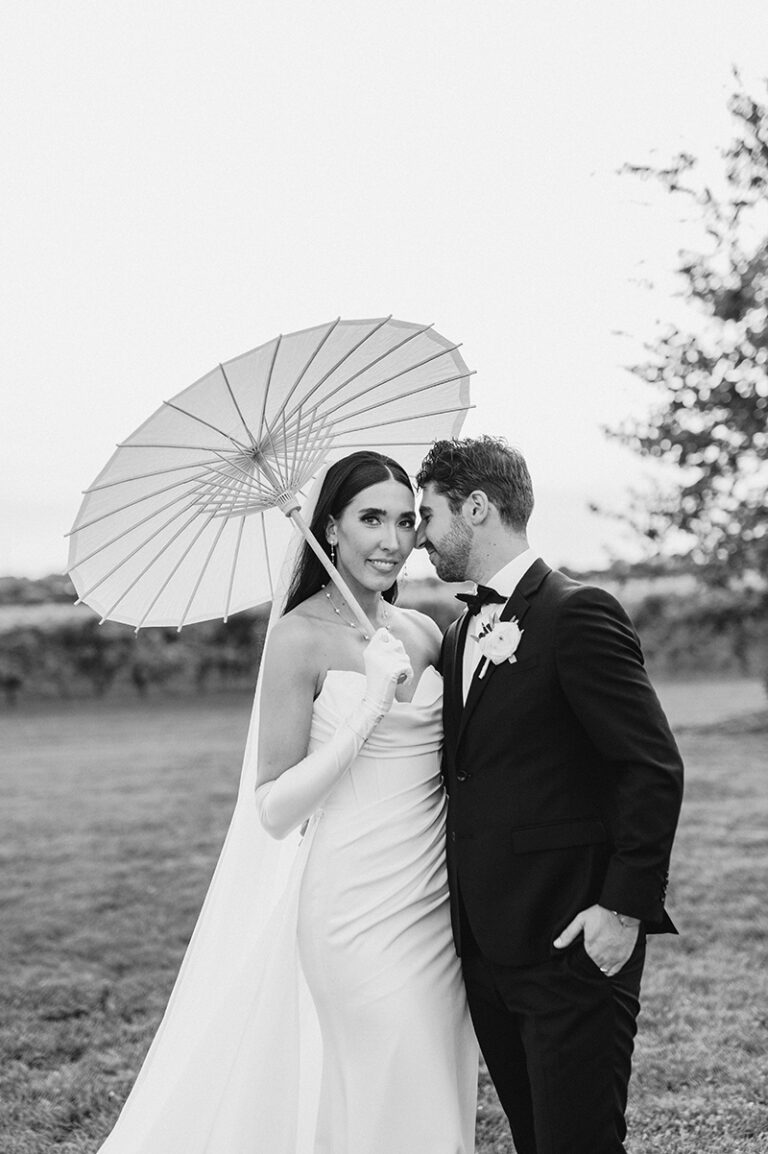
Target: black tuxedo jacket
{"type": "Point", "coordinates": [564, 781]}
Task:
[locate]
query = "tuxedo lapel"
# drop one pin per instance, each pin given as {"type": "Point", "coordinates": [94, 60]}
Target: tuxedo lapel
{"type": "Point", "coordinates": [454, 696]}
{"type": "Point", "coordinates": [461, 641]}
{"type": "Point", "coordinates": [516, 607]}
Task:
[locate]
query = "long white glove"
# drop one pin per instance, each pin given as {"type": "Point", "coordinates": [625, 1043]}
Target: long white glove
{"type": "Point", "coordinates": [286, 802]}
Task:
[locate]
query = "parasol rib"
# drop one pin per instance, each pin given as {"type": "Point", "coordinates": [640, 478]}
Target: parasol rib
{"type": "Point", "coordinates": [204, 477]}
{"type": "Point", "coordinates": [316, 451]}
{"type": "Point", "coordinates": [296, 444]}
{"type": "Point", "coordinates": [305, 447]}
{"type": "Point", "coordinates": [234, 568]}
{"type": "Point", "coordinates": [174, 570]}
{"type": "Point", "coordinates": [201, 574]}
{"type": "Point", "coordinates": [404, 444]}
{"type": "Point", "coordinates": [192, 448]}
{"type": "Point", "coordinates": [217, 538]}
{"type": "Point", "coordinates": [254, 480]}
{"type": "Point", "coordinates": [379, 384]}
{"type": "Point", "coordinates": [341, 360]}
{"type": "Point", "coordinates": [382, 356]}
{"type": "Point", "coordinates": [392, 400]}
{"type": "Point", "coordinates": [124, 532]}
{"type": "Point", "coordinates": [134, 502]}
{"type": "Point", "coordinates": [259, 458]}
{"type": "Point", "coordinates": [201, 421]}
{"type": "Point", "coordinates": [388, 380]}
{"type": "Point", "coordinates": [311, 358]}
{"type": "Point", "coordinates": [133, 552]}
{"type": "Point", "coordinates": [267, 387]}
{"type": "Point", "coordinates": [264, 492]}
{"type": "Point", "coordinates": [314, 464]}
{"type": "Point", "coordinates": [148, 566]}
{"type": "Point", "coordinates": [144, 476]}
{"type": "Point", "coordinates": [234, 402]}
{"type": "Point", "coordinates": [317, 435]}
{"type": "Point", "coordinates": [399, 420]}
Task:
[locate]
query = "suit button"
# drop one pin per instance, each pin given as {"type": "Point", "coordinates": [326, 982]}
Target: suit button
{"type": "Point", "coordinates": [453, 836]}
{"type": "Point", "coordinates": [462, 775]}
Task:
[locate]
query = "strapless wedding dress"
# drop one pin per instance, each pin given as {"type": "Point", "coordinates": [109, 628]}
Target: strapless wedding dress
{"type": "Point", "coordinates": [322, 1010]}
{"type": "Point", "coordinates": [399, 1060]}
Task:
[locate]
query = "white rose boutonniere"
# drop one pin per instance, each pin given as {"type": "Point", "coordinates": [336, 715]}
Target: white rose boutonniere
{"type": "Point", "coordinates": [498, 643]}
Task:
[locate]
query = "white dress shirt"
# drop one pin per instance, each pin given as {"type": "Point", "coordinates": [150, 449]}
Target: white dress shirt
{"type": "Point", "coordinates": [504, 582]}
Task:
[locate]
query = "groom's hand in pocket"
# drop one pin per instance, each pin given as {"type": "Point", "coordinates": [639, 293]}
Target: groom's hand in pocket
{"type": "Point", "coordinates": [609, 938]}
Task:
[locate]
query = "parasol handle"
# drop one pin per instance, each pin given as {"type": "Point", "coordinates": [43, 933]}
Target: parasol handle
{"type": "Point", "coordinates": [295, 516]}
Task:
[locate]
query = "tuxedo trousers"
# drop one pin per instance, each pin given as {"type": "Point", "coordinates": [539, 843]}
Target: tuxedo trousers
{"type": "Point", "coordinates": [557, 1038]}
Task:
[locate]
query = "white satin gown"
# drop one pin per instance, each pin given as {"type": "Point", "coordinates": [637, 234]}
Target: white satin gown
{"type": "Point", "coordinates": [320, 1007]}
{"type": "Point", "coordinates": [399, 1058]}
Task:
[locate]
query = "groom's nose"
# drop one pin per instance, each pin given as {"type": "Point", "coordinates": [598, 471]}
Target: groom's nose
{"type": "Point", "coordinates": [421, 535]}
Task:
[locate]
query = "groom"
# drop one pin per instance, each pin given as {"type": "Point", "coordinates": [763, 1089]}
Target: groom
{"type": "Point", "coordinates": [564, 787]}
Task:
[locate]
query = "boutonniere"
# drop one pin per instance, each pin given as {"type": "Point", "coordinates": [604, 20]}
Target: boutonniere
{"type": "Point", "coordinates": [498, 643]}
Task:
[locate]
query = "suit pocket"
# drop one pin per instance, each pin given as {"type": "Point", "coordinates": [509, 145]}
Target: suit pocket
{"type": "Point", "coordinates": [583, 963]}
{"type": "Point", "coordinates": [561, 835]}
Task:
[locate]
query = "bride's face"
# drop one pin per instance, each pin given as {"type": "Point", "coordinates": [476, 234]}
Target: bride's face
{"type": "Point", "coordinates": [374, 535]}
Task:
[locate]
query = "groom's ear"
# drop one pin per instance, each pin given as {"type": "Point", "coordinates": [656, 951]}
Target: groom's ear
{"type": "Point", "coordinates": [476, 507]}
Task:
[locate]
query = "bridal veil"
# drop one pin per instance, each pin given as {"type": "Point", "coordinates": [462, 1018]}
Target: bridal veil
{"type": "Point", "coordinates": [234, 1067]}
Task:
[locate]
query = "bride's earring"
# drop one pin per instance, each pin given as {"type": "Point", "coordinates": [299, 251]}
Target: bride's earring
{"type": "Point", "coordinates": [333, 555]}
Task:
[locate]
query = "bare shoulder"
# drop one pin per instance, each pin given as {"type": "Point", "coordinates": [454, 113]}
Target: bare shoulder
{"type": "Point", "coordinates": [296, 629]}
{"type": "Point", "coordinates": [294, 644]}
{"type": "Point", "coordinates": [419, 633]}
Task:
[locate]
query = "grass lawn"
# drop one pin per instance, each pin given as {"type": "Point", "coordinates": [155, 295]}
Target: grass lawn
{"type": "Point", "coordinates": [112, 818]}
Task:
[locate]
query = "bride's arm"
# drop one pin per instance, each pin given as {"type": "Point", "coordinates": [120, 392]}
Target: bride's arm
{"type": "Point", "coordinates": [291, 783]}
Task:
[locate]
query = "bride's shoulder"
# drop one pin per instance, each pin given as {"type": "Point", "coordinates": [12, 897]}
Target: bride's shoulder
{"type": "Point", "coordinates": [299, 629]}
{"type": "Point", "coordinates": [293, 657]}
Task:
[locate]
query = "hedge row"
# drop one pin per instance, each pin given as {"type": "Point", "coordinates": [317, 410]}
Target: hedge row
{"type": "Point", "coordinates": [55, 650]}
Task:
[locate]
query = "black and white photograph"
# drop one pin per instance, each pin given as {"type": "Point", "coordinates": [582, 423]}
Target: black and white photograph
{"type": "Point", "coordinates": [384, 577]}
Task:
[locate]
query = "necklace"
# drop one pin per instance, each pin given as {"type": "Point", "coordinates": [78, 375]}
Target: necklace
{"type": "Point", "coordinates": [353, 624]}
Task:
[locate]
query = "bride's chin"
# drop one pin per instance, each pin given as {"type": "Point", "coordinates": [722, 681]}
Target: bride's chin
{"type": "Point", "coordinates": [381, 586]}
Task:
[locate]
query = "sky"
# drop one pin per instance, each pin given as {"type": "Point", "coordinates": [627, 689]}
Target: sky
{"type": "Point", "coordinates": [182, 181]}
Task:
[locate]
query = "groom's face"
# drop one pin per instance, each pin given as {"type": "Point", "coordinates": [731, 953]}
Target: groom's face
{"type": "Point", "coordinates": [444, 534]}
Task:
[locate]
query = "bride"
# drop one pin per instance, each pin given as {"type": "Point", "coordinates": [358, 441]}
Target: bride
{"type": "Point", "coordinates": [320, 1007]}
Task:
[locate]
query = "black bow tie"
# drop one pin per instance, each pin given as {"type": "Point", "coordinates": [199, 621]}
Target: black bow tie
{"type": "Point", "coordinates": [475, 601]}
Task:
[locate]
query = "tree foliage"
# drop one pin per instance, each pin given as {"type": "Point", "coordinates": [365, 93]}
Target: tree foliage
{"type": "Point", "coordinates": [711, 421]}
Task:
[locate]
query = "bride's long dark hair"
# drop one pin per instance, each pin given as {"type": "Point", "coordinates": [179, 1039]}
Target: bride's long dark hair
{"type": "Point", "coordinates": [343, 481]}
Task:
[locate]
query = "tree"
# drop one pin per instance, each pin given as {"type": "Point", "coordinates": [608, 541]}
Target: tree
{"type": "Point", "coordinates": [711, 422]}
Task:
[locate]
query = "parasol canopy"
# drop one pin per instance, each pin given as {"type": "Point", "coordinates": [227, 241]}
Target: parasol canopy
{"type": "Point", "coordinates": [189, 519]}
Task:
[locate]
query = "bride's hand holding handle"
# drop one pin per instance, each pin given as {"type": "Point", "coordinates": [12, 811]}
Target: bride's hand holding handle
{"type": "Point", "coordinates": [387, 665]}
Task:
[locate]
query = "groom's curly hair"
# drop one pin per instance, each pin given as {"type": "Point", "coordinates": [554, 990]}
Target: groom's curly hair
{"type": "Point", "coordinates": [459, 466]}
